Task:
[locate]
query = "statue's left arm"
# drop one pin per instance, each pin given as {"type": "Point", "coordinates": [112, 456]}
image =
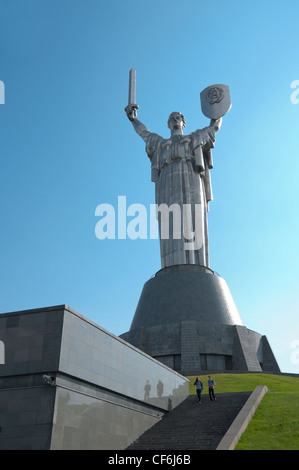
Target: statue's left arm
{"type": "Point", "coordinates": [216, 124]}
{"type": "Point", "coordinates": [205, 137]}
{"type": "Point", "coordinates": [210, 132]}
{"type": "Point", "coordinates": [203, 142]}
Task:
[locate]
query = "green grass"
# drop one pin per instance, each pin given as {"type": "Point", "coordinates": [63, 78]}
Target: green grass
{"type": "Point", "coordinates": [275, 424]}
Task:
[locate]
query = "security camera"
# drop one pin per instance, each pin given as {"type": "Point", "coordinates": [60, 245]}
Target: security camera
{"type": "Point", "coordinates": [49, 380]}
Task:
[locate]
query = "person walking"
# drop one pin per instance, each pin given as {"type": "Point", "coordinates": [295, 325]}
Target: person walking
{"type": "Point", "coordinates": [199, 388]}
{"type": "Point", "coordinates": [211, 384]}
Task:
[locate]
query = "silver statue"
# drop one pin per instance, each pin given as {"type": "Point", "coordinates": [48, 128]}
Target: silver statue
{"type": "Point", "coordinates": [181, 168]}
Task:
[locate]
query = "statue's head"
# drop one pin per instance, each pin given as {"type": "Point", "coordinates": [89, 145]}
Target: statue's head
{"type": "Point", "coordinates": [176, 120]}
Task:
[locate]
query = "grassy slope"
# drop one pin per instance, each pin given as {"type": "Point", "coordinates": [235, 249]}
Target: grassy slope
{"type": "Point", "coordinates": [275, 424]}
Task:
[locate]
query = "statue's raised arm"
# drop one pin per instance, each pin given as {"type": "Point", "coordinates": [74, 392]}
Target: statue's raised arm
{"type": "Point", "coordinates": [216, 124]}
{"type": "Point", "coordinates": [131, 108]}
{"type": "Point", "coordinates": [131, 111]}
{"type": "Point", "coordinates": [140, 128]}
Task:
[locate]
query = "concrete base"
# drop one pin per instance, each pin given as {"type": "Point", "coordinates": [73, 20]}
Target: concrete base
{"type": "Point", "coordinates": [185, 293]}
{"type": "Point", "coordinates": [187, 319]}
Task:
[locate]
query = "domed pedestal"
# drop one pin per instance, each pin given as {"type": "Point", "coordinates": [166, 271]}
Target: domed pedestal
{"type": "Point", "coordinates": [186, 318]}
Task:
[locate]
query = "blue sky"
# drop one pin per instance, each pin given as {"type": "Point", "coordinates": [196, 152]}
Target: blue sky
{"type": "Point", "coordinates": [66, 146]}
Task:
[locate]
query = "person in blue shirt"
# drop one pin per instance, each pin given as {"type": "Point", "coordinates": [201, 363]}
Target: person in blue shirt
{"type": "Point", "coordinates": [211, 384]}
{"type": "Point", "coordinates": [199, 388]}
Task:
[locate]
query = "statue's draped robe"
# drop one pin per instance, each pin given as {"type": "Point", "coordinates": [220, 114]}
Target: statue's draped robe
{"type": "Point", "coordinates": [181, 173]}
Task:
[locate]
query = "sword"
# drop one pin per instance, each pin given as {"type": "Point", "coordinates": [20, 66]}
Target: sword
{"type": "Point", "coordinates": [132, 106]}
{"type": "Point", "coordinates": [132, 87]}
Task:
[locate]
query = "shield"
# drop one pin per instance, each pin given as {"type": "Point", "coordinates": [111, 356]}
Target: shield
{"type": "Point", "coordinates": [215, 101]}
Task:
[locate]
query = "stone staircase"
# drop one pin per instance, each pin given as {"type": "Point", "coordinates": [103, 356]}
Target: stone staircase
{"type": "Point", "coordinates": [191, 426]}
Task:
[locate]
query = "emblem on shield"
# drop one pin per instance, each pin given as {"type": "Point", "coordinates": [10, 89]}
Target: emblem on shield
{"type": "Point", "coordinates": [215, 101]}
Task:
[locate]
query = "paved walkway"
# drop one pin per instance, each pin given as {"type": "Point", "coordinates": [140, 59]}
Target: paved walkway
{"type": "Point", "coordinates": [192, 426]}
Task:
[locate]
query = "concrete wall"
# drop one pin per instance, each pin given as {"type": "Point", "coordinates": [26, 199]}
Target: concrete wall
{"type": "Point", "coordinates": [26, 412]}
{"type": "Point", "coordinates": [97, 398]}
{"type": "Point", "coordinates": [87, 417]}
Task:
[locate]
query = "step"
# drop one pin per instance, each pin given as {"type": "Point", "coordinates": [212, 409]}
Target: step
{"type": "Point", "coordinates": [192, 425]}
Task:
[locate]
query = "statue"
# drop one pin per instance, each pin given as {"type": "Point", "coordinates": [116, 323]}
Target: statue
{"type": "Point", "coordinates": [181, 168]}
